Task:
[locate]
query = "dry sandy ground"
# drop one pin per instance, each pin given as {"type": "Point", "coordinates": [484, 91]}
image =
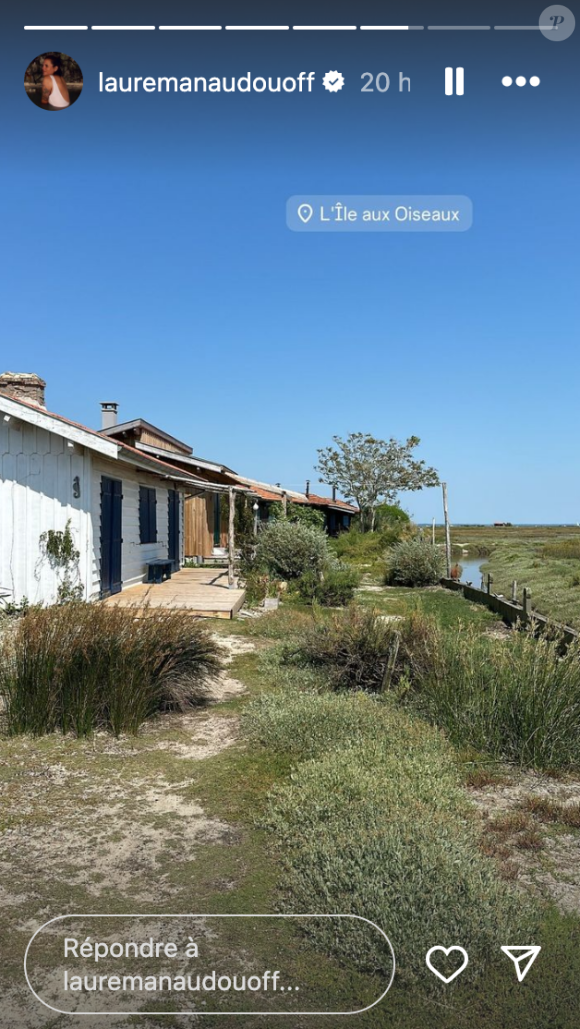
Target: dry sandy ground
{"type": "Point", "coordinates": [103, 825]}
{"type": "Point", "coordinates": [545, 856]}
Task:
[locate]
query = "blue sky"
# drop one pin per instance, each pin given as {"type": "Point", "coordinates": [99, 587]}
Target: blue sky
{"type": "Point", "coordinates": [147, 258]}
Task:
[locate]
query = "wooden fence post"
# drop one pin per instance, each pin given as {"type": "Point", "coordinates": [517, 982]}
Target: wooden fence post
{"type": "Point", "coordinates": [447, 533]}
{"type": "Point", "coordinates": [489, 583]}
{"type": "Point", "coordinates": [390, 664]}
{"type": "Point", "coordinates": [527, 605]}
{"type": "Point", "coordinates": [231, 537]}
{"type": "Point", "coordinates": [515, 591]}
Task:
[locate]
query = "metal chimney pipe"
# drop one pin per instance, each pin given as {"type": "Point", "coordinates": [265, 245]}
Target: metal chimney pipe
{"type": "Point", "coordinates": [109, 409]}
{"type": "Point", "coordinates": [334, 492]}
{"type": "Point", "coordinates": [307, 490]}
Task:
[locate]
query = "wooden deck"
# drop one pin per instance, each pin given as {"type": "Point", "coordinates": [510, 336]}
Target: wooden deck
{"type": "Point", "coordinates": [200, 591]}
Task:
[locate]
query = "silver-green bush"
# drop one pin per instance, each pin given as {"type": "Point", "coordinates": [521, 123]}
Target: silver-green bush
{"type": "Point", "coordinates": [288, 549]}
{"type": "Point", "coordinates": [414, 562]}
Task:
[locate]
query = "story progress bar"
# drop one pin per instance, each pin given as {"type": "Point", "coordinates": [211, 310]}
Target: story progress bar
{"type": "Point", "coordinates": [277, 28]}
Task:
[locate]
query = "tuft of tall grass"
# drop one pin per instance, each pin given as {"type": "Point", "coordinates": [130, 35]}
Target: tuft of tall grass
{"type": "Point", "coordinates": [518, 699]}
{"type": "Point", "coordinates": [81, 667]}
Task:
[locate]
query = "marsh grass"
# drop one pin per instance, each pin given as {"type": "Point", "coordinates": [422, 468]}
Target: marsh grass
{"type": "Point", "coordinates": [287, 622]}
{"type": "Point", "coordinates": [518, 699]}
{"type": "Point", "coordinates": [81, 667]}
{"type": "Point", "coordinates": [568, 549]}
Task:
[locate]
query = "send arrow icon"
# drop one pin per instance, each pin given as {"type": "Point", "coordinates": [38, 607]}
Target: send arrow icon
{"type": "Point", "coordinates": [523, 958]}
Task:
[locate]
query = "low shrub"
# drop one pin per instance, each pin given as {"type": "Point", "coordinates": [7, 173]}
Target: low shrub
{"type": "Point", "coordinates": [334, 588]}
{"type": "Point", "coordinates": [288, 549]}
{"type": "Point", "coordinates": [303, 729]}
{"type": "Point", "coordinates": [352, 646]}
{"type": "Point", "coordinates": [258, 586]}
{"type": "Point", "coordinates": [414, 562]}
{"type": "Point", "coordinates": [276, 675]}
{"type": "Point", "coordinates": [373, 822]}
{"type": "Point", "coordinates": [81, 667]}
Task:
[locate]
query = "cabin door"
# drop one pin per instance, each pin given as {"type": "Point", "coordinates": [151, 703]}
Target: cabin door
{"type": "Point", "coordinates": [111, 539]}
{"type": "Point", "coordinates": [174, 545]}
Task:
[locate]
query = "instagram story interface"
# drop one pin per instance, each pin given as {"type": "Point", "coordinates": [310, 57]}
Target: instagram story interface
{"type": "Point", "coordinates": [289, 516]}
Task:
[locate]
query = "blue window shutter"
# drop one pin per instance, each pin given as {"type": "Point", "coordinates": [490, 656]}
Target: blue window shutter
{"type": "Point", "coordinates": [143, 515]}
{"type": "Point", "coordinates": [153, 515]}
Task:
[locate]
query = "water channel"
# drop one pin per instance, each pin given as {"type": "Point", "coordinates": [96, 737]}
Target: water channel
{"type": "Point", "coordinates": [471, 569]}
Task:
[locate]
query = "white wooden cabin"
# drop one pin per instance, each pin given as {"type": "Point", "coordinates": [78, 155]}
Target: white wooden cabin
{"type": "Point", "coordinates": [124, 507]}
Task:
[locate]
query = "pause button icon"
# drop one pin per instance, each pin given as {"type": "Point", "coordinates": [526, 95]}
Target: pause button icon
{"type": "Point", "coordinates": [454, 81]}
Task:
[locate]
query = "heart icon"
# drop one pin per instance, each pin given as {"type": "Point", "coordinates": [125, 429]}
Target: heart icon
{"type": "Point", "coordinates": [447, 951]}
{"type": "Point", "coordinates": [305, 212]}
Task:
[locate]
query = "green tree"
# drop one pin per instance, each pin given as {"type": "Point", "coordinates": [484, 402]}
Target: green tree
{"type": "Point", "coordinates": [373, 471]}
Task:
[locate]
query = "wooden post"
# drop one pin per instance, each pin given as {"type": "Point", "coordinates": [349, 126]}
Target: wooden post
{"type": "Point", "coordinates": [527, 603]}
{"type": "Point", "coordinates": [489, 583]}
{"type": "Point", "coordinates": [447, 532]}
{"type": "Point", "coordinates": [390, 663]}
{"type": "Point", "coordinates": [433, 532]}
{"type": "Point", "coordinates": [515, 591]}
{"type": "Point", "coordinates": [231, 537]}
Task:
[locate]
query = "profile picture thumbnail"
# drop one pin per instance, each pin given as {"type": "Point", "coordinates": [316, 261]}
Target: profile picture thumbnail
{"type": "Point", "coordinates": [53, 81]}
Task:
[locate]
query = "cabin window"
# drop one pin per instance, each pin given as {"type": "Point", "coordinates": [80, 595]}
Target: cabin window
{"type": "Point", "coordinates": [147, 515]}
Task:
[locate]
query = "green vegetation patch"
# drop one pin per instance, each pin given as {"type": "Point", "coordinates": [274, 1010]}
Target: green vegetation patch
{"type": "Point", "coordinates": [542, 558]}
{"type": "Point", "coordinates": [373, 822]}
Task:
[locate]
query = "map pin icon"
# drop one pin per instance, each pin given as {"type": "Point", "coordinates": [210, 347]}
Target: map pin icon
{"type": "Point", "coordinates": [305, 212]}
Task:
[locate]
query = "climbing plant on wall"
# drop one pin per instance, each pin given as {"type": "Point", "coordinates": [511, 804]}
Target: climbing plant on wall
{"type": "Point", "coordinates": [59, 547]}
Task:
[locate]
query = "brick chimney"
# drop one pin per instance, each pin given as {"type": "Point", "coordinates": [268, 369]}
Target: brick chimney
{"type": "Point", "coordinates": [23, 386]}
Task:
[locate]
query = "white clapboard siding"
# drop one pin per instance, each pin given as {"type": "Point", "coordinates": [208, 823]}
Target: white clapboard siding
{"type": "Point", "coordinates": [37, 469]}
